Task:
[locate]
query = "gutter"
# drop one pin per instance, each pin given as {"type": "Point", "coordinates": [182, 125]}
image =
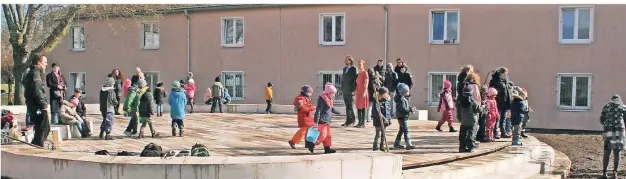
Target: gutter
{"type": "Point", "coordinates": [188, 42]}
{"type": "Point", "coordinates": [182, 10]}
{"type": "Point", "coordinates": [386, 33]}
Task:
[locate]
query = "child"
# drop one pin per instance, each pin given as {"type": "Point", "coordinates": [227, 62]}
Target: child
{"type": "Point", "coordinates": [382, 114]}
{"type": "Point", "coordinates": [190, 88]}
{"type": "Point", "coordinates": [517, 114]}
{"type": "Point", "coordinates": [469, 120]}
{"type": "Point", "coordinates": [492, 115]}
{"type": "Point", "coordinates": [524, 95]}
{"type": "Point", "coordinates": [78, 101]}
{"type": "Point", "coordinates": [304, 108]}
{"type": "Point", "coordinates": [177, 101]}
{"type": "Point", "coordinates": [403, 110]}
{"type": "Point", "coordinates": [107, 105]}
{"type": "Point", "coordinates": [268, 97]}
{"type": "Point", "coordinates": [323, 115]}
{"type": "Point", "coordinates": [217, 91]}
{"type": "Point", "coordinates": [146, 109]}
{"type": "Point", "coordinates": [159, 95]}
{"type": "Point", "coordinates": [125, 87]}
{"type": "Point", "coordinates": [208, 99]}
{"type": "Point", "coordinates": [446, 106]}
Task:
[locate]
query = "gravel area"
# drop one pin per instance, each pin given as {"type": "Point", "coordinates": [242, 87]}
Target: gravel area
{"type": "Point", "coordinates": [583, 148]}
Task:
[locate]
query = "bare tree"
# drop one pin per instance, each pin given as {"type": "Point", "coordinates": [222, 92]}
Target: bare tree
{"type": "Point", "coordinates": [37, 28]}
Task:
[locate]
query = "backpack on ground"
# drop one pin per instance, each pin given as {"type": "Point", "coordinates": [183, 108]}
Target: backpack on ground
{"type": "Point", "coordinates": [152, 150]}
{"type": "Point", "coordinates": [199, 150]}
{"type": "Point", "coordinates": [217, 91]}
{"type": "Point", "coordinates": [126, 153]}
{"type": "Point", "coordinates": [102, 152]}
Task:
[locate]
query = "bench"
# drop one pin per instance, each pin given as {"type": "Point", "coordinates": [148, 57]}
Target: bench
{"type": "Point", "coordinates": [73, 130]}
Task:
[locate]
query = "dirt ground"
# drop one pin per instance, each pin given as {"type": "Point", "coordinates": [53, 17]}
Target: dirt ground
{"type": "Point", "coordinates": [584, 149]}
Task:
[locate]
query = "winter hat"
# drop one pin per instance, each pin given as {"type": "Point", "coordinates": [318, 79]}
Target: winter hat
{"type": "Point", "coordinates": [447, 84]}
{"type": "Point", "coordinates": [329, 88]}
{"type": "Point", "coordinates": [109, 81]}
{"type": "Point", "coordinates": [141, 83]}
{"type": "Point", "coordinates": [306, 89]}
{"type": "Point", "coordinates": [492, 92]}
{"type": "Point", "coordinates": [382, 90]}
{"type": "Point", "coordinates": [403, 88]}
{"type": "Point", "coordinates": [616, 98]}
{"type": "Point", "coordinates": [191, 81]}
{"type": "Point", "coordinates": [74, 101]}
{"type": "Point", "coordinates": [175, 84]}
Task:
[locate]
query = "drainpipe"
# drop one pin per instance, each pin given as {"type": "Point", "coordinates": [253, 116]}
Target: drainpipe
{"type": "Point", "coordinates": [386, 32]}
{"type": "Point", "coordinates": [188, 42]}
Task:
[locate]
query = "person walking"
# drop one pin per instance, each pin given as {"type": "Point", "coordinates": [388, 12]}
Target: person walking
{"type": "Point", "coordinates": [108, 101]}
{"type": "Point", "coordinates": [146, 109]}
{"type": "Point", "coordinates": [56, 83]}
{"type": "Point", "coordinates": [190, 91]}
{"type": "Point", "coordinates": [323, 115]}
{"type": "Point", "coordinates": [35, 96]}
{"type": "Point", "coordinates": [119, 78]}
{"type": "Point", "coordinates": [304, 109]}
{"type": "Point", "coordinates": [612, 118]}
{"type": "Point", "coordinates": [348, 88]}
{"type": "Point", "coordinates": [269, 96]}
{"type": "Point", "coordinates": [159, 96]}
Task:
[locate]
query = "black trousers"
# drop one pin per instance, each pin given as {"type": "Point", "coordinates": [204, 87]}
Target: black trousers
{"type": "Point", "coordinates": [466, 138]}
{"type": "Point", "coordinates": [42, 127]}
{"type": "Point", "coordinates": [348, 100]}
{"type": "Point", "coordinates": [269, 105]}
{"type": "Point", "coordinates": [480, 135]}
{"type": "Point", "coordinates": [177, 123]}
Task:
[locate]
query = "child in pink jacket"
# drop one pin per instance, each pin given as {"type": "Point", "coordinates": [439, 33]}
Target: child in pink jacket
{"type": "Point", "coordinates": [446, 105]}
{"type": "Point", "coordinates": [493, 115]}
{"type": "Point", "coordinates": [190, 89]}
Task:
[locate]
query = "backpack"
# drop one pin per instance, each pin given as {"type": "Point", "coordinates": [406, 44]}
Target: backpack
{"type": "Point", "coordinates": [217, 91]}
{"type": "Point", "coordinates": [199, 150]}
{"type": "Point", "coordinates": [126, 153]}
{"type": "Point", "coordinates": [152, 150]}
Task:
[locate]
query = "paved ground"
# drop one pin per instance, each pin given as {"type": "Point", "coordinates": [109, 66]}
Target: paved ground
{"type": "Point", "coordinates": [262, 135]}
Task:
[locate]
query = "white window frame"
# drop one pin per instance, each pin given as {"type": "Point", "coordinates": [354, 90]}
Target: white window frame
{"type": "Point", "coordinates": [83, 90]}
{"type": "Point", "coordinates": [71, 39]}
{"type": "Point", "coordinates": [576, 40]}
{"type": "Point", "coordinates": [573, 107]}
{"type": "Point", "coordinates": [142, 39]}
{"type": "Point", "coordinates": [430, 101]}
{"type": "Point", "coordinates": [243, 84]}
{"type": "Point", "coordinates": [321, 29]}
{"type": "Point", "coordinates": [320, 87]}
{"type": "Point", "coordinates": [223, 33]}
{"type": "Point", "coordinates": [158, 75]}
{"type": "Point", "coordinates": [445, 27]}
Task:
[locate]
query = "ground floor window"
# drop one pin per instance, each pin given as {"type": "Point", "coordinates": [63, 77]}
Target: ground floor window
{"type": "Point", "coordinates": [574, 91]}
{"type": "Point", "coordinates": [152, 78]}
{"type": "Point", "coordinates": [77, 81]}
{"type": "Point", "coordinates": [435, 84]}
{"type": "Point", "coordinates": [233, 81]}
{"type": "Point", "coordinates": [333, 77]}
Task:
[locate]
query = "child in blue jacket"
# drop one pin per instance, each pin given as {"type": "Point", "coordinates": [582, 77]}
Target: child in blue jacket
{"type": "Point", "coordinates": [385, 114]}
{"type": "Point", "coordinates": [177, 101]}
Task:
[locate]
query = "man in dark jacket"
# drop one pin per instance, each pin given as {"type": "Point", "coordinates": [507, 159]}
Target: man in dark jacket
{"type": "Point", "coordinates": [108, 101]}
{"type": "Point", "coordinates": [36, 98]}
{"type": "Point", "coordinates": [56, 82]}
{"type": "Point", "coordinates": [380, 67]}
{"type": "Point", "coordinates": [399, 64]}
{"type": "Point", "coordinates": [348, 88]}
{"type": "Point", "coordinates": [404, 76]}
{"type": "Point", "coordinates": [391, 83]}
{"type": "Point", "coordinates": [500, 81]}
{"type": "Point", "coordinates": [146, 110]}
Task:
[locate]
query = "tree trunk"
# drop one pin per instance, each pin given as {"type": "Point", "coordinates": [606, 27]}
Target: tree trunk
{"type": "Point", "coordinates": [19, 65]}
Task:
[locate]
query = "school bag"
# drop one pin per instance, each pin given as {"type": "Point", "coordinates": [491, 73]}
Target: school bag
{"type": "Point", "coordinates": [152, 150]}
{"type": "Point", "coordinates": [199, 150]}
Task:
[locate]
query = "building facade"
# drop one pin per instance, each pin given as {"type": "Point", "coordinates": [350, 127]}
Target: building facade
{"type": "Point", "coordinates": [568, 57]}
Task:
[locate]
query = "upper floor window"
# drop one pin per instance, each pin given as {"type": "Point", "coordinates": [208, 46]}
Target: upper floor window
{"type": "Point", "coordinates": [576, 25]}
{"type": "Point", "coordinates": [444, 27]}
{"type": "Point", "coordinates": [77, 38]}
{"type": "Point", "coordinates": [150, 35]}
{"type": "Point", "coordinates": [232, 32]}
{"type": "Point", "coordinates": [332, 29]}
{"type": "Point", "coordinates": [574, 91]}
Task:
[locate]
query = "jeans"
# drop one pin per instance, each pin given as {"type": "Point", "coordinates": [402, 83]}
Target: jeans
{"type": "Point", "coordinates": [502, 123]}
{"type": "Point", "coordinates": [42, 127]}
{"type": "Point", "coordinates": [108, 120]}
{"type": "Point", "coordinates": [132, 124]}
{"type": "Point", "coordinates": [404, 130]}
{"type": "Point", "coordinates": [159, 109]}
{"type": "Point", "coordinates": [369, 112]}
{"type": "Point", "coordinates": [54, 118]}
{"type": "Point", "coordinates": [392, 102]}
{"type": "Point", "coordinates": [516, 133]}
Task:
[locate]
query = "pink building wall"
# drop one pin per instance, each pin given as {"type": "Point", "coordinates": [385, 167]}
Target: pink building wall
{"type": "Point", "coordinates": [281, 45]}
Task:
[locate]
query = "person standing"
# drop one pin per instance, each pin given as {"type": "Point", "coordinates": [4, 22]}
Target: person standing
{"type": "Point", "coordinates": [404, 76]}
{"type": "Point", "coordinates": [108, 101]}
{"type": "Point", "coordinates": [469, 120]}
{"type": "Point", "coordinates": [159, 96]}
{"type": "Point", "coordinates": [56, 83]}
{"type": "Point", "coordinates": [612, 118]}
{"type": "Point", "coordinates": [348, 88]}
{"type": "Point", "coordinates": [217, 91]}
{"type": "Point", "coordinates": [391, 83]}
{"type": "Point", "coordinates": [361, 98]}
{"type": "Point", "coordinates": [400, 64]}
{"type": "Point", "coordinates": [460, 84]}
{"type": "Point", "coordinates": [131, 104]}
{"type": "Point", "coordinates": [380, 67]}
{"type": "Point", "coordinates": [403, 111]}
{"type": "Point", "coordinates": [190, 91]}
{"type": "Point", "coordinates": [35, 96]}
{"type": "Point", "coordinates": [446, 106]}
{"type": "Point", "coordinates": [269, 96]}
{"type": "Point", "coordinates": [138, 75]}
{"type": "Point", "coordinates": [119, 78]}
{"type": "Point", "coordinates": [500, 81]}
{"type": "Point", "coordinates": [177, 101]}
{"type": "Point", "coordinates": [381, 113]}
{"type": "Point", "coordinates": [374, 82]}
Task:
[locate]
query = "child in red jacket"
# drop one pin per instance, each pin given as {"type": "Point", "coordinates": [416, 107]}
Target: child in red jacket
{"type": "Point", "coordinates": [304, 107]}
{"type": "Point", "coordinates": [493, 115]}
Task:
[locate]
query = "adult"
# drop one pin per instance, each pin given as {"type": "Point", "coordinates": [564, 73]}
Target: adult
{"type": "Point", "coordinates": [391, 83]}
{"type": "Point", "coordinates": [35, 96]}
{"type": "Point", "coordinates": [612, 118]}
{"type": "Point", "coordinates": [28, 122]}
{"type": "Point", "coordinates": [380, 67]}
{"type": "Point", "coordinates": [119, 78]}
{"type": "Point", "coordinates": [361, 97]}
{"type": "Point", "coordinates": [56, 83]}
{"type": "Point", "coordinates": [348, 88]}
{"type": "Point", "coordinates": [399, 64]}
{"type": "Point", "coordinates": [70, 117]}
{"type": "Point", "coordinates": [108, 100]}
{"type": "Point", "coordinates": [404, 76]}
{"type": "Point", "coordinates": [460, 83]}
{"type": "Point", "coordinates": [138, 75]}
{"type": "Point", "coordinates": [500, 81]}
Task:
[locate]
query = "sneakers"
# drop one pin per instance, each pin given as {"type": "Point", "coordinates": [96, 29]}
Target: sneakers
{"type": "Point", "coordinates": [410, 147]}
{"type": "Point", "coordinates": [127, 133]}
{"type": "Point", "coordinates": [505, 136]}
{"type": "Point", "coordinates": [292, 145]}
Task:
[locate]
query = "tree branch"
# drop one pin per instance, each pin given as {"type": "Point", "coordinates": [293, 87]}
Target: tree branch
{"type": "Point", "coordinates": [29, 25]}
{"type": "Point", "coordinates": [13, 16]}
{"type": "Point", "coordinates": [10, 23]}
{"type": "Point", "coordinates": [59, 31]}
{"type": "Point", "coordinates": [20, 15]}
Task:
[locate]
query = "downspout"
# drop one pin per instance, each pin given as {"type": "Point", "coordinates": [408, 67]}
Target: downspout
{"type": "Point", "coordinates": [386, 32]}
{"type": "Point", "coordinates": [188, 42]}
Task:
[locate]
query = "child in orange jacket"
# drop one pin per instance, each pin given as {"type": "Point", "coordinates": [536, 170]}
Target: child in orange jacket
{"type": "Point", "coordinates": [269, 97]}
{"type": "Point", "coordinates": [304, 107]}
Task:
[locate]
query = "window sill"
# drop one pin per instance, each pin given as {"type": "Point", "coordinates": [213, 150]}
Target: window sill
{"type": "Point", "coordinates": [332, 43]}
{"type": "Point", "coordinates": [574, 109]}
{"type": "Point", "coordinates": [77, 50]}
{"type": "Point", "coordinates": [441, 42]}
{"type": "Point", "coordinates": [150, 48]}
{"type": "Point", "coordinates": [232, 45]}
{"type": "Point", "coordinates": [574, 42]}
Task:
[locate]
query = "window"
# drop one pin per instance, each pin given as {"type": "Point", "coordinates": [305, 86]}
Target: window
{"type": "Point", "coordinates": [576, 25]}
{"type": "Point", "coordinates": [574, 91]}
{"type": "Point", "coordinates": [150, 35]}
{"type": "Point", "coordinates": [152, 78]}
{"type": "Point", "coordinates": [232, 32]}
{"type": "Point", "coordinates": [77, 81]}
{"type": "Point", "coordinates": [444, 27]}
{"type": "Point", "coordinates": [332, 29]}
{"type": "Point", "coordinates": [77, 38]}
{"type": "Point", "coordinates": [333, 77]}
{"type": "Point", "coordinates": [435, 84]}
{"type": "Point", "coordinates": [233, 81]}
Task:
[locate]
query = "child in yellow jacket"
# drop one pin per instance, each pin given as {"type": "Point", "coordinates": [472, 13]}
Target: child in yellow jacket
{"type": "Point", "coordinates": [269, 96]}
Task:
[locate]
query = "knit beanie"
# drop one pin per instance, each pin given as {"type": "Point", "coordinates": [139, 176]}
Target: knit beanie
{"type": "Point", "coordinates": [330, 88]}
{"type": "Point", "coordinates": [403, 88]}
{"type": "Point", "coordinates": [447, 84]}
{"type": "Point", "coordinates": [109, 81]}
{"type": "Point", "coordinates": [306, 89]}
{"type": "Point", "coordinates": [175, 84]}
{"type": "Point", "coordinates": [141, 83]}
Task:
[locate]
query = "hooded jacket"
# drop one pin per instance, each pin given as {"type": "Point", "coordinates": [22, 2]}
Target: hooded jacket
{"type": "Point", "coordinates": [518, 110]}
{"type": "Point", "coordinates": [505, 95]}
{"type": "Point", "coordinates": [108, 99]}
{"type": "Point", "coordinates": [305, 111]}
{"type": "Point", "coordinates": [68, 113]}
{"type": "Point", "coordinates": [147, 105]}
{"type": "Point", "coordinates": [177, 101]}
{"type": "Point", "coordinates": [613, 113]}
{"type": "Point", "coordinates": [469, 108]}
